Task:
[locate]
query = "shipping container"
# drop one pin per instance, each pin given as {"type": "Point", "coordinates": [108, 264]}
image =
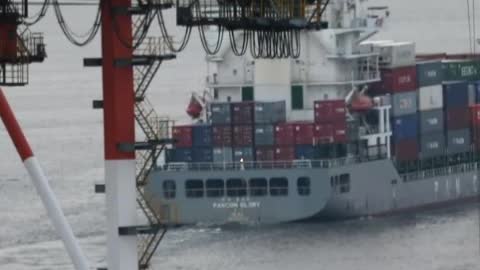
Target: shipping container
{"type": "Point", "coordinates": [430, 97]}
{"type": "Point", "coordinates": [432, 144]}
{"type": "Point", "coordinates": [202, 154]}
{"type": "Point", "coordinates": [284, 153]}
{"type": "Point", "coordinates": [222, 135]}
{"type": "Point", "coordinates": [429, 73]}
{"type": "Point", "coordinates": [397, 54]}
{"type": "Point", "coordinates": [455, 94]}
{"type": "Point", "coordinates": [323, 133]}
{"type": "Point", "coordinates": [264, 135]}
{"type": "Point", "coordinates": [222, 154]}
{"type": "Point", "coordinates": [265, 153]}
{"type": "Point", "coordinates": [330, 151]}
{"type": "Point", "coordinates": [404, 127]}
{"type": "Point", "coordinates": [330, 111]}
{"type": "Point", "coordinates": [457, 118]}
{"type": "Point", "coordinates": [245, 153]}
{"type": "Point", "coordinates": [304, 151]}
{"type": "Point", "coordinates": [220, 113]}
{"type": "Point", "coordinates": [472, 94]}
{"type": "Point", "coordinates": [405, 150]}
{"type": "Point", "coordinates": [270, 112]}
{"type": "Point", "coordinates": [458, 141]}
{"type": "Point", "coordinates": [475, 116]}
{"type": "Point", "coordinates": [461, 70]}
{"type": "Point", "coordinates": [404, 103]}
{"type": "Point", "coordinates": [431, 121]}
{"type": "Point", "coordinates": [242, 135]}
{"type": "Point", "coordinates": [304, 133]}
{"type": "Point", "coordinates": [285, 134]}
{"type": "Point", "coordinates": [179, 155]}
{"type": "Point", "coordinates": [242, 112]}
{"type": "Point", "coordinates": [340, 132]}
{"type": "Point", "coordinates": [398, 80]}
{"type": "Point", "coordinates": [183, 136]}
{"type": "Point", "coordinates": [202, 135]}
{"type": "Point", "coordinates": [477, 92]}
{"type": "Point", "coordinates": [476, 138]}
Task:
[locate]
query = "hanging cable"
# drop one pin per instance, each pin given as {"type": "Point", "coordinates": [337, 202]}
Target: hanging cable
{"type": "Point", "coordinates": [166, 37]}
{"type": "Point", "coordinates": [74, 38]}
{"type": "Point", "coordinates": [29, 21]}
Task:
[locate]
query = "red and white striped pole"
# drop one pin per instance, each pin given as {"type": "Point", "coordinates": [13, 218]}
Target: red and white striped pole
{"type": "Point", "coordinates": [41, 184]}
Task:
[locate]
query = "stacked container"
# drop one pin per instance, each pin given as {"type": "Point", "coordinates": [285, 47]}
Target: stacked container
{"type": "Point", "coordinates": [330, 128]}
{"type": "Point", "coordinates": [222, 139]}
{"type": "Point", "coordinates": [430, 105]}
{"type": "Point", "coordinates": [475, 118]}
{"type": "Point", "coordinates": [457, 116]}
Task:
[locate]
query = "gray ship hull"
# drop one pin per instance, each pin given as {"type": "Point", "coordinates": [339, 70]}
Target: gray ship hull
{"type": "Point", "coordinates": [338, 192]}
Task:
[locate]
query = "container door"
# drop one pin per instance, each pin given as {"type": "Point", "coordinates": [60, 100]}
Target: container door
{"type": "Point", "coordinates": [297, 97]}
{"type": "Point", "coordinates": [247, 93]}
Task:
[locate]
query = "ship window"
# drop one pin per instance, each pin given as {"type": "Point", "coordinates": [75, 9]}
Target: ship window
{"type": "Point", "coordinates": [194, 188]}
{"type": "Point", "coordinates": [344, 183]}
{"type": "Point", "coordinates": [215, 188]}
{"type": "Point", "coordinates": [279, 186]}
{"type": "Point", "coordinates": [297, 97]}
{"type": "Point", "coordinates": [169, 189]}
{"type": "Point", "coordinates": [236, 187]}
{"type": "Point", "coordinates": [303, 186]}
{"type": "Point", "coordinates": [258, 186]}
{"type": "Point", "coordinates": [247, 93]}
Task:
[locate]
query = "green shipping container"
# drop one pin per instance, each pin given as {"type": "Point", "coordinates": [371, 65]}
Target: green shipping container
{"type": "Point", "coordinates": [461, 70]}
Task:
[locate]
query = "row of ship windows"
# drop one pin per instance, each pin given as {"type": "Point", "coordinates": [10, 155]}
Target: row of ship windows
{"type": "Point", "coordinates": [236, 187]}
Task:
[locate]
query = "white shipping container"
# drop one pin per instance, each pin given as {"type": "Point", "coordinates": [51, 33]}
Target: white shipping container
{"type": "Point", "coordinates": [430, 97]}
{"type": "Point", "coordinates": [399, 54]}
{"type": "Point", "coordinates": [372, 46]}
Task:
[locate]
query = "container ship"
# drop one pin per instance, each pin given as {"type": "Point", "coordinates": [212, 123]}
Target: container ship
{"type": "Point", "coordinates": [350, 128]}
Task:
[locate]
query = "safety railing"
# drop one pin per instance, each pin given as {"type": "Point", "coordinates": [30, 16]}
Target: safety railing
{"type": "Point", "coordinates": [265, 165]}
{"type": "Point", "coordinates": [442, 171]}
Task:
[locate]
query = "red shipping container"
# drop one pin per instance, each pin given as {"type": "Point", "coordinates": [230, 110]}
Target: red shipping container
{"type": "Point", "coordinates": [475, 115]}
{"type": "Point", "coordinates": [406, 150]}
{"type": "Point", "coordinates": [222, 135]}
{"type": "Point", "coordinates": [303, 133]}
{"type": "Point", "coordinates": [284, 153]}
{"type": "Point", "coordinates": [242, 112]}
{"type": "Point", "coordinates": [339, 132]}
{"type": "Point", "coordinates": [285, 134]}
{"type": "Point", "coordinates": [265, 153]}
{"type": "Point", "coordinates": [323, 133]}
{"type": "Point", "coordinates": [398, 80]}
{"type": "Point", "coordinates": [330, 111]}
{"type": "Point", "coordinates": [457, 118]}
{"type": "Point", "coordinates": [242, 135]}
{"type": "Point", "coordinates": [183, 135]}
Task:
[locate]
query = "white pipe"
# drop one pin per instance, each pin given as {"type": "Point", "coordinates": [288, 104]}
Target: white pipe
{"type": "Point", "coordinates": [55, 213]}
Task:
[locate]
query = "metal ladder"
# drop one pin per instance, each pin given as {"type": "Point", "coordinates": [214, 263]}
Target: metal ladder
{"type": "Point", "coordinates": [155, 130]}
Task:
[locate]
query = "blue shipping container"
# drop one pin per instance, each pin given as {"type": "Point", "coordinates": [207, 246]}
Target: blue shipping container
{"type": "Point", "coordinates": [405, 127]}
{"type": "Point", "coordinates": [179, 155]}
{"type": "Point", "coordinates": [455, 94]}
{"type": "Point", "coordinates": [477, 92]}
{"type": "Point", "coordinates": [304, 151]}
{"type": "Point", "coordinates": [202, 154]}
{"type": "Point", "coordinates": [202, 135]}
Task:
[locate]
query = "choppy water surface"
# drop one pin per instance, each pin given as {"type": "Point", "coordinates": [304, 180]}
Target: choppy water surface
{"type": "Point", "coordinates": [66, 134]}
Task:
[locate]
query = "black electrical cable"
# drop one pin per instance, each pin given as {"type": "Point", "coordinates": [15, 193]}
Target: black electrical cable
{"type": "Point", "coordinates": [166, 37]}
{"type": "Point", "coordinates": [29, 21]}
{"type": "Point", "coordinates": [74, 38]}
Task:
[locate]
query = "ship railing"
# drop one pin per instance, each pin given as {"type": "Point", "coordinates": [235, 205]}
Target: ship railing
{"type": "Point", "coordinates": [443, 171]}
{"type": "Point", "coordinates": [265, 165]}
